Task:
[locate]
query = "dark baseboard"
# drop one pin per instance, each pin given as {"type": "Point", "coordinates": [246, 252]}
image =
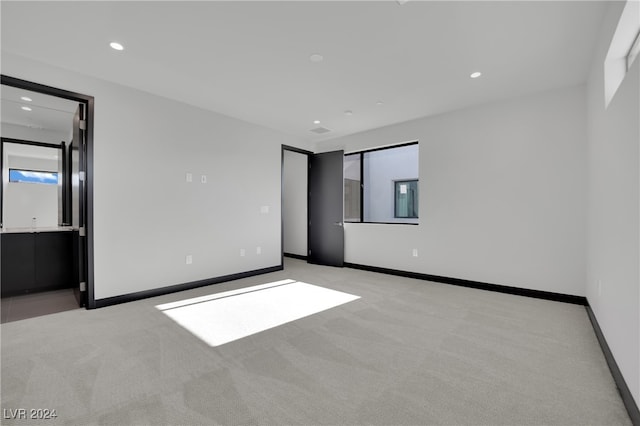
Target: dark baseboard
{"type": "Point", "coordinates": [623, 389]}
{"type": "Point", "coordinates": [101, 303]}
{"type": "Point", "coordinates": [295, 256]}
{"type": "Point", "coordinates": [547, 295]}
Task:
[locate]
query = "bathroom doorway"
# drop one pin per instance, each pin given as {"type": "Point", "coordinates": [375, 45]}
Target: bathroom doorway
{"type": "Point", "coordinates": [46, 201]}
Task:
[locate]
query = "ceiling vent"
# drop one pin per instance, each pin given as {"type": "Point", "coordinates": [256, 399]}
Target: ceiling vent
{"type": "Point", "coordinates": [320, 130]}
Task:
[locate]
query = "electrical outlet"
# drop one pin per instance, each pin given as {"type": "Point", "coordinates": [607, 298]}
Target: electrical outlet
{"type": "Point", "coordinates": [203, 178]}
{"type": "Point", "coordinates": [258, 250]}
{"type": "Point", "coordinates": [189, 259]}
{"type": "Point", "coordinates": [242, 252]}
{"type": "Point", "coordinates": [415, 252]}
{"type": "Point", "coordinates": [189, 177]}
{"type": "Point", "coordinates": [264, 209]}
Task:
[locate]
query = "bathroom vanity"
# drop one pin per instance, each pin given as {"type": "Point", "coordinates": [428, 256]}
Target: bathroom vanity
{"type": "Point", "coordinates": [36, 260]}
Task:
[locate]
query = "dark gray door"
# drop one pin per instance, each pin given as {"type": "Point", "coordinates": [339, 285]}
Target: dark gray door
{"type": "Point", "coordinates": [78, 179]}
{"type": "Point", "coordinates": [326, 232]}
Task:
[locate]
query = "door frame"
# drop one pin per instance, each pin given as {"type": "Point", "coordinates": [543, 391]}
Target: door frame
{"type": "Point", "coordinates": [88, 101]}
{"type": "Point", "coordinates": [308, 154]}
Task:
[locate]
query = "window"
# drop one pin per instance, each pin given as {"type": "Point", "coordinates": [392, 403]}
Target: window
{"type": "Point", "coordinates": [623, 49]}
{"type": "Point", "coordinates": [32, 176]}
{"type": "Point", "coordinates": [381, 185]}
{"type": "Point", "coordinates": [406, 199]}
{"type": "Point", "coordinates": [352, 188]}
{"type": "Point", "coordinates": [633, 52]}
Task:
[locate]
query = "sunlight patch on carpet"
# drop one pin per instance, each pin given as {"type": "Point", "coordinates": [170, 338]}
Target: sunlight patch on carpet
{"type": "Point", "coordinates": [224, 317]}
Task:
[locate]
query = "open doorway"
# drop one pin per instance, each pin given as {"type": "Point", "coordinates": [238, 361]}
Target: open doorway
{"type": "Point", "coordinates": [295, 208]}
{"type": "Point", "coordinates": [46, 200]}
{"type": "Point", "coordinates": [312, 206]}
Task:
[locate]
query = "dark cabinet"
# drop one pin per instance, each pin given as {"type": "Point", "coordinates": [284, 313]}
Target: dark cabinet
{"type": "Point", "coordinates": [18, 262]}
{"type": "Point", "coordinates": [36, 261]}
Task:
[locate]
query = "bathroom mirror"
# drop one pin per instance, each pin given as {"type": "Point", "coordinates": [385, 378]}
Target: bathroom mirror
{"type": "Point", "coordinates": [36, 130]}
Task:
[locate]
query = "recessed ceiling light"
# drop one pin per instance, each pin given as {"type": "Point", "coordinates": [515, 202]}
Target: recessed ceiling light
{"type": "Point", "coordinates": [316, 121]}
{"type": "Point", "coordinates": [26, 108]}
{"type": "Point", "coordinates": [379, 103]}
{"type": "Point", "coordinates": [348, 112]}
{"type": "Point", "coordinates": [116, 46]}
{"type": "Point", "coordinates": [26, 99]}
{"type": "Point", "coordinates": [316, 58]}
{"type": "Point", "coordinates": [476, 74]}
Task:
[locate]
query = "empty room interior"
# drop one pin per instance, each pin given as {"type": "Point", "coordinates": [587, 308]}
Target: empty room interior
{"type": "Point", "coordinates": [320, 212]}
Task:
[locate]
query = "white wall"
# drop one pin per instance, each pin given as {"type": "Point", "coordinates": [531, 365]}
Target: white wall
{"type": "Point", "coordinates": [294, 213]}
{"type": "Point", "coordinates": [502, 195]}
{"type": "Point", "coordinates": [146, 217]}
{"type": "Point", "coordinates": [25, 201]}
{"type": "Point", "coordinates": [613, 209]}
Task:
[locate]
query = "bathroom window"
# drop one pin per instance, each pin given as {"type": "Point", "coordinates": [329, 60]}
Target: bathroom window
{"type": "Point", "coordinates": [33, 176]}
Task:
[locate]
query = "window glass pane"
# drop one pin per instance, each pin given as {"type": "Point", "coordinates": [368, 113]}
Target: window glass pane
{"type": "Point", "coordinates": [352, 188]}
{"type": "Point", "coordinates": [382, 169]}
{"type": "Point", "coordinates": [30, 176]}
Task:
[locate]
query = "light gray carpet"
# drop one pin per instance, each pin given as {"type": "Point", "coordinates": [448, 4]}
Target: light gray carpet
{"type": "Point", "coordinates": [407, 352]}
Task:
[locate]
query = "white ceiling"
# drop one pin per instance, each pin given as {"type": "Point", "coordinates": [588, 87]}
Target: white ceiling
{"type": "Point", "coordinates": [250, 60]}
